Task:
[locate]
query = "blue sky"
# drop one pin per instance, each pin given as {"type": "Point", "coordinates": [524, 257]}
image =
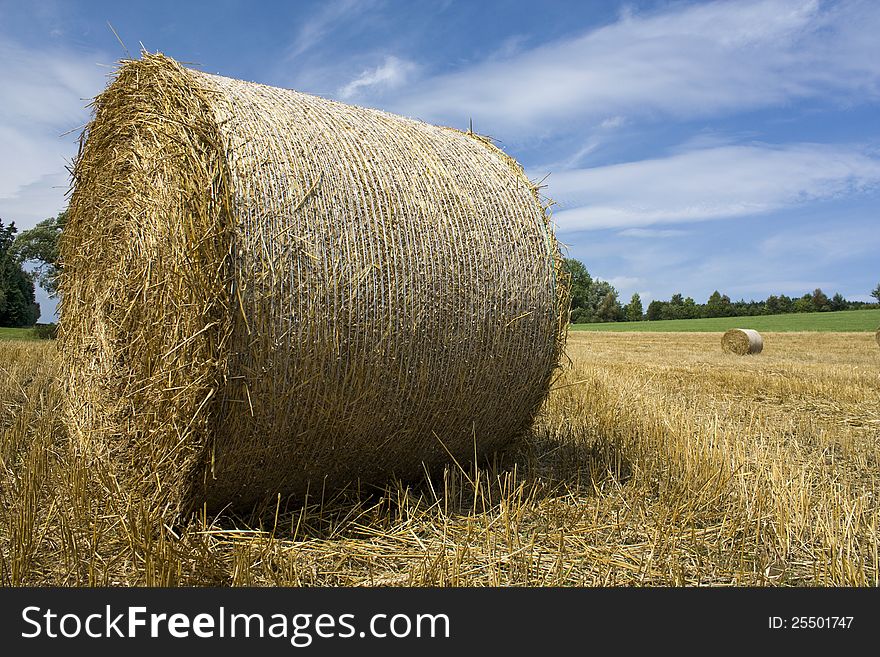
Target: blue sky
{"type": "Point", "coordinates": [689, 146]}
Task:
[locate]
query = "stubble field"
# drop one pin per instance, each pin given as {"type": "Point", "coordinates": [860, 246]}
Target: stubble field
{"type": "Point", "coordinates": [657, 460]}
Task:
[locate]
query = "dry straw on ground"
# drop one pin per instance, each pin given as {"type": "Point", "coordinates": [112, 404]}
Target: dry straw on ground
{"type": "Point", "coordinates": [269, 292]}
{"type": "Point", "coordinates": [656, 461]}
{"type": "Point", "coordinates": [742, 342]}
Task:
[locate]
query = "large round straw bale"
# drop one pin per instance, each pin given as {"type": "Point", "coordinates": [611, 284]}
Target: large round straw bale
{"type": "Point", "coordinates": [742, 342]}
{"type": "Point", "coordinates": [877, 336]}
{"type": "Point", "coordinates": [269, 292]}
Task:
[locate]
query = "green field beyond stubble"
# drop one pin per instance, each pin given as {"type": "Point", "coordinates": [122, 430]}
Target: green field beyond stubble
{"type": "Point", "coordinates": [17, 334]}
{"type": "Point", "coordinates": [846, 321]}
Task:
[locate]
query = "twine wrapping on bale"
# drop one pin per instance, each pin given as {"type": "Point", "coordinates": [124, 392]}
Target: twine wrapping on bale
{"type": "Point", "coordinates": [742, 342]}
{"type": "Point", "coordinates": [269, 292]}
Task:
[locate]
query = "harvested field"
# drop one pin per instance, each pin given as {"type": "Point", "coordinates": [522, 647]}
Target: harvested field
{"type": "Point", "coordinates": [657, 460]}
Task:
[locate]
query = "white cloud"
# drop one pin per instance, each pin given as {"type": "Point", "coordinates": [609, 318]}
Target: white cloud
{"type": "Point", "coordinates": [390, 74]}
{"type": "Point", "coordinates": [598, 138]}
{"type": "Point", "coordinates": [45, 94]}
{"type": "Point", "coordinates": [796, 287]}
{"type": "Point", "coordinates": [821, 246]}
{"type": "Point", "coordinates": [652, 233]}
{"type": "Point", "coordinates": [687, 61]}
{"type": "Point", "coordinates": [622, 282]}
{"type": "Point", "coordinates": [612, 123]}
{"type": "Point", "coordinates": [740, 268]}
{"type": "Point", "coordinates": [511, 46]}
{"type": "Point", "coordinates": [37, 200]}
{"type": "Point", "coordinates": [712, 183]}
{"type": "Point", "coordinates": [322, 23]}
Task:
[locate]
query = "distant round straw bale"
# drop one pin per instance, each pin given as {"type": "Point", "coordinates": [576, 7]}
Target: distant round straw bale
{"type": "Point", "coordinates": [742, 342]}
{"type": "Point", "coordinates": [269, 292]}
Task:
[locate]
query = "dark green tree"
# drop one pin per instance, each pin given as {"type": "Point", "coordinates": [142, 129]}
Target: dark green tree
{"type": "Point", "coordinates": [690, 310]}
{"type": "Point", "coordinates": [601, 291]}
{"type": "Point", "coordinates": [17, 304]}
{"type": "Point", "coordinates": [718, 305]}
{"type": "Point", "coordinates": [588, 296]}
{"type": "Point", "coordinates": [786, 305]}
{"type": "Point", "coordinates": [609, 309]}
{"type": "Point", "coordinates": [655, 310]}
{"type": "Point", "coordinates": [581, 286]}
{"type": "Point", "coordinates": [633, 310]}
{"type": "Point", "coordinates": [674, 308]}
{"type": "Point", "coordinates": [804, 304]}
{"type": "Point", "coordinates": [838, 302]}
{"type": "Point", "coordinates": [39, 247]}
{"type": "Point", "coordinates": [876, 293]}
{"type": "Point", "coordinates": [819, 300]}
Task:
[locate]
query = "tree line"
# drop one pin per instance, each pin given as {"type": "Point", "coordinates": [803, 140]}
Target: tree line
{"type": "Point", "coordinates": [594, 300]}
{"type": "Point", "coordinates": [720, 305]}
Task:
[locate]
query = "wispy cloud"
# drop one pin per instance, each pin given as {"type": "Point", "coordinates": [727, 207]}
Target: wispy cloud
{"type": "Point", "coordinates": [652, 233]}
{"type": "Point", "coordinates": [713, 183]}
{"type": "Point", "coordinates": [599, 135]}
{"type": "Point", "coordinates": [791, 287]}
{"type": "Point", "coordinates": [317, 27]}
{"type": "Point", "coordinates": [688, 61]}
{"type": "Point", "coordinates": [390, 74]}
{"type": "Point", "coordinates": [820, 246]}
{"type": "Point", "coordinates": [45, 93]}
{"type": "Point", "coordinates": [612, 122]}
{"type": "Point", "coordinates": [621, 282]}
{"type": "Point", "coordinates": [41, 197]}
